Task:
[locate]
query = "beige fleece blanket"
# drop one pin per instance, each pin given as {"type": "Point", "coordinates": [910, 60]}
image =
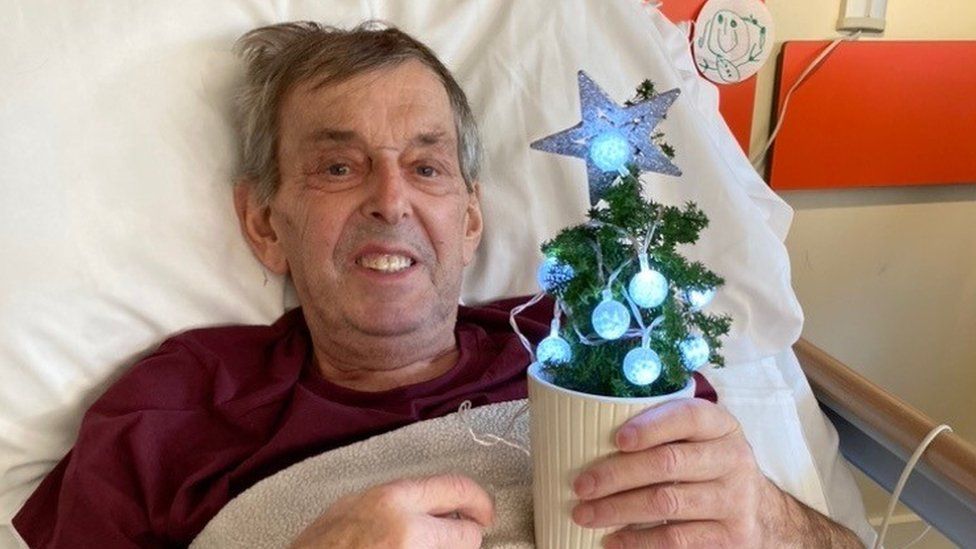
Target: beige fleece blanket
{"type": "Point", "coordinates": [274, 511]}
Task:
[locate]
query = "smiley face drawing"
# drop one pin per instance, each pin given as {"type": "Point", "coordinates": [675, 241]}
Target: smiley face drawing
{"type": "Point", "coordinates": [730, 44]}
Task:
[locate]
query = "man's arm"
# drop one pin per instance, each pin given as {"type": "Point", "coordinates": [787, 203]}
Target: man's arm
{"type": "Point", "coordinates": [802, 526]}
{"type": "Point", "coordinates": [688, 462]}
{"type": "Point", "coordinates": [138, 445]}
{"type": "Point", "coordinates": [88, 500]}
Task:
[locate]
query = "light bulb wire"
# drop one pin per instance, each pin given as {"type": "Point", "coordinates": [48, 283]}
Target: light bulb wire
{"type": "Point", "coordinates": [616, 273]}
{"type": "Point", "coordinates": [584, 339]}
{"type": "Point", "coordinates": [649, 235]}
{"type": "Point", "coordinates": [903, 479]}
{"type": "Point", "coordinates": [514, 323]}
{"type": "Point", "coordinates": [489, 439]}
{"type": "Point", "coordinates": [556, 310]}
{"type": "Point", "coordinates": [635, 311]}
{"type": "Point", "coordinates": [598, 252]}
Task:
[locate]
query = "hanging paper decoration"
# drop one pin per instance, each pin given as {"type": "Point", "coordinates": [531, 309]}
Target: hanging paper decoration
{"type": "Point", "coordinates": [732, 40]}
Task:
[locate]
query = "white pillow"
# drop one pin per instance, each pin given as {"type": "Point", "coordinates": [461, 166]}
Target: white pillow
{"type": "Point", "coordinates": [118, 151]}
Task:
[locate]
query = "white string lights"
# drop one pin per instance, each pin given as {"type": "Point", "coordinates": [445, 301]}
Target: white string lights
{"type": "Point", "coordinates": [614, 317]}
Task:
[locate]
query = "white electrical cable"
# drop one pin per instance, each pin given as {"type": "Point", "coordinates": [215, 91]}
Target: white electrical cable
{"type": "Point", "coordinates": [488, 439]}
{"type": "Point", "coordinates": [903, 479]}
{"type": "Point", "coordinates": [919, 537]}
{"type": "Point", "coordinates": [514, 323]}
{"type": "Point", "coordinates": [758, 158]}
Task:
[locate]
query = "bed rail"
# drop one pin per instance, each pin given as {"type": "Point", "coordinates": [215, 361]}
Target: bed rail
{"type": "Point", "coordinates": [878, 432]}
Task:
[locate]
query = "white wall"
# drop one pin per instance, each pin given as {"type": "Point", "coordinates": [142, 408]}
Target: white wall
{"type": "Point", "coordinates": [887, 276]}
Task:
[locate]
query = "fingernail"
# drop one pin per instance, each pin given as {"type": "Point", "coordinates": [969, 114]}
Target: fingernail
{"type": "Point", "coordinates": [583, 514]}
{"type": "Point", "coordinates": [626, 438]}
{"type": "Point", "coordinates": [584, 485]}
{"type": "Point", "coordinates": [610, 542]}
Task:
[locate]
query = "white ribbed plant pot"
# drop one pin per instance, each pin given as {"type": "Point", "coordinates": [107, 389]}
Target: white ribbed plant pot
{"type": "Point", "coordinates": [568, 431]}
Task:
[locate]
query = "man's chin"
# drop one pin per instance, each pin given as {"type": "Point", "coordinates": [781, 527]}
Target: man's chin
{"type": "Point", "coordinates": [394, 321]}
{"type": "Point", "coordinates": [384, 315]}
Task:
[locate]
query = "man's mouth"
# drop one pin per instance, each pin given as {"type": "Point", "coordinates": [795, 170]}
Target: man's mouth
{"type": "Point", "coordinates": [385, 263]}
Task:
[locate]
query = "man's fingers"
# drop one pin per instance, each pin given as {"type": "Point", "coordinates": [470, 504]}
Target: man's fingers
{"type": "Point", "coordinates": [453, 533]}
{"type": "Point", "coordinates": [682, 501]}
{"type": "Point", "coordinates": [679, 461]}
{"type": "Point", "coordinates": [682, 534]}
{"type": "Point", "coordinates": [692, 419]}
{"type": "Point", "coordinates": [444, 494]}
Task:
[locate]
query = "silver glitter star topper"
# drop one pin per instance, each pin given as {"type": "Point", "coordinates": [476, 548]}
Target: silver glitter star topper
{"type": "Point", "coordinates": [610, 136]}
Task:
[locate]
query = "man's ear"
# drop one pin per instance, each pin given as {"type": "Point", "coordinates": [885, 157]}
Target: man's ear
{"type": "Point", "coordinates": [474, 223]}
{"type": "Point", "coordinates": [255, 220]}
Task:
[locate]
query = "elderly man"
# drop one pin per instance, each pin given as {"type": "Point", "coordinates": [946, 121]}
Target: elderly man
{"type": "Point", "coordinates": [360, 182]}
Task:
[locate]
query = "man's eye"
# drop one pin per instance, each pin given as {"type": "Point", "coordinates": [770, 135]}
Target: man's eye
{"type": "Point", "coordinates": [338, 169]}
{"type": "Point", "coordinates": [427, 171]}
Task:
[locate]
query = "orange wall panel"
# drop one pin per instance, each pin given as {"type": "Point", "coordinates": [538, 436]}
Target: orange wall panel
{"type": "Point", "coordinates": [877, 113]}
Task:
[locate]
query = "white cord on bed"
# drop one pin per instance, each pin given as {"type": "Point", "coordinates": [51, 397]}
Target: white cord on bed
{"type": "Point", "coordinates": [758, 158]}
{"type": "Point", "coordinates": [919, 537]}
{"type": "Point", "coordinates": [488, 439]}
{"type": "Point", "coordinates": [902, 480]}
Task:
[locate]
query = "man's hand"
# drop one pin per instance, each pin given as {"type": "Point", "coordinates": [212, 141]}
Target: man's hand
{"type": "Point", "coordinates": [439, 511]}
{"type": "Point", "coordinates": [687, 462]}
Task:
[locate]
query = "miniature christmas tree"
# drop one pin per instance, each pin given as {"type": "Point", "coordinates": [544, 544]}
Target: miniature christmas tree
{"type": "Point", "coordinates": [628, 319]}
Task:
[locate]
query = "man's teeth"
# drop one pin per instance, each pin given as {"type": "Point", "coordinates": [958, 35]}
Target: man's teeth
{"type": "Point", "coordinates": [387, 263]}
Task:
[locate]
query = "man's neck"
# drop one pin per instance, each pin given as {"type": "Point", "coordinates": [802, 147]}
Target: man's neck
{"type": "Point", "coordinates": [384, 366]}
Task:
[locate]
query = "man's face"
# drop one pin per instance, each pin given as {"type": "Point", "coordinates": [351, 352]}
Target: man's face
{"type": "Point", "coordinates": [372, 214]}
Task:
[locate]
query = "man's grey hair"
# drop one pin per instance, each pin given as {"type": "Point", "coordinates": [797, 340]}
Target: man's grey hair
{"type": "Point", "coordinates": [279, 57]}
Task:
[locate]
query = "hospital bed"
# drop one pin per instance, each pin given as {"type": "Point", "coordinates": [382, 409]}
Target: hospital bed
{"type": "Point", "coordinates": [878, 433]}
{"type": "Point", "coordinates": [118, 148]}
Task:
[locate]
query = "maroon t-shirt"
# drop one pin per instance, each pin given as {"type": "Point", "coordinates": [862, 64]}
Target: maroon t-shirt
{"type": "Point", "coordinates": [215, 410]}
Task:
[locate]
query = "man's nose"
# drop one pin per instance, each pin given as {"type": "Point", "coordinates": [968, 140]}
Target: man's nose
{"type": "Point", "coordinates": [387, 201]}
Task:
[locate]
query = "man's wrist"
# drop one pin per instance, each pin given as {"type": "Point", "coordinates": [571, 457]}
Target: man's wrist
{"type": "Point", "coordinates": [794, 524]}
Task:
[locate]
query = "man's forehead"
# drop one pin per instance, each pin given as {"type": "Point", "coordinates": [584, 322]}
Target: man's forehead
{"type": "Point", "coordinates": [409, 84]}
{"type": "Point", "coordinates": [408, 97]}
{"type": "Point", "coordinates": [423, 137]}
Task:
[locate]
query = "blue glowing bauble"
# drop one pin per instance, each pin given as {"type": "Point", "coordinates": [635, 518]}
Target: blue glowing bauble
{"type": "Point", "coordinates": [610, 151]}
{"type": "Point", "coordinates": [699, 298]}
{"type": "Point", "coordinates": [553, 273]}
{"type": "Point", "coordinates": [694, 352]}
{"type": "Point", "coordinates": [648, 288]}
{"type": "Point", "coordinates": [642, 366]}
{"type": "Point", "coordinates": [553, 350]}
{"type": "Point", "coordinates": [611, 319]}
